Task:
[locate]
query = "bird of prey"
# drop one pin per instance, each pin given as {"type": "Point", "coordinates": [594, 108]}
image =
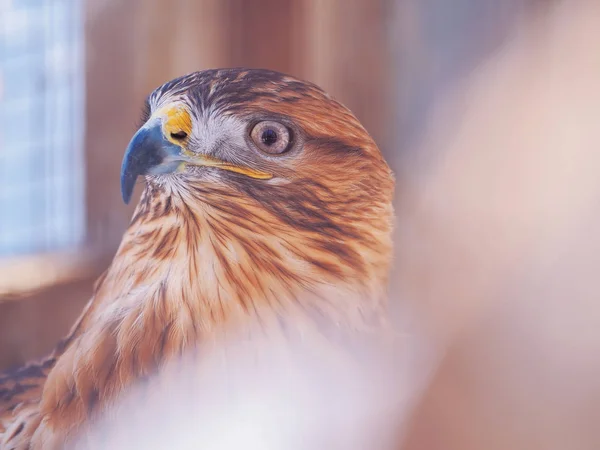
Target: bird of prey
{"type": "Point", "coordinates": [267, 213]}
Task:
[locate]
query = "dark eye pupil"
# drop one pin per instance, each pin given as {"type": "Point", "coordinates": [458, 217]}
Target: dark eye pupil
{"type": "Point", "coordinates": [269, 137]}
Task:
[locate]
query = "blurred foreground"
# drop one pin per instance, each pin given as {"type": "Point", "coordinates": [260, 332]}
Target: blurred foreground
{"type": "Point", "coordinates": [499, 246]}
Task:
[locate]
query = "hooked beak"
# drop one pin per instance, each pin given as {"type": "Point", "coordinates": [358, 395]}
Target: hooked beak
{"type": "Point", "coordinates": [150, 152]}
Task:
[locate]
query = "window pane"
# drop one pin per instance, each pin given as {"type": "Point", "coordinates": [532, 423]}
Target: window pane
{"type": "Point", "coordinates": [41, 156]}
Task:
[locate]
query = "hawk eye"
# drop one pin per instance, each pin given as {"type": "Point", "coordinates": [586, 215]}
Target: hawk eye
{"type": "Point", "coordinates": [271, 137]}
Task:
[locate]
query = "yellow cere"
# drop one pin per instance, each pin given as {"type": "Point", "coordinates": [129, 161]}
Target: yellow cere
{"type": "Point", "coordinates": [177, 119]}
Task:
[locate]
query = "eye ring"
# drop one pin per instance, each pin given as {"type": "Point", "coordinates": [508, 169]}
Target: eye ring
{"type": "Point", "coordinates": [271, 137]}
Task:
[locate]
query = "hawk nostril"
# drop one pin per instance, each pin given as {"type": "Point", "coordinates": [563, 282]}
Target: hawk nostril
{"type": "Point", "coordinates": [179, 135]}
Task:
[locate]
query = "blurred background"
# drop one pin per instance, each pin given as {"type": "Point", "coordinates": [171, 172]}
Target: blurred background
{"type": "Point", "coordinates": [487, 110]}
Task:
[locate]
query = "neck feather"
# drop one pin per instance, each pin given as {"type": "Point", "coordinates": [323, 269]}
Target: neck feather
{"type": "Point", "coordinates": [191, 272]}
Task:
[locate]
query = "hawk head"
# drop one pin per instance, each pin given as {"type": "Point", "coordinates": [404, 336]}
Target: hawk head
{"type": "Point", "coordinates": [261, 186]}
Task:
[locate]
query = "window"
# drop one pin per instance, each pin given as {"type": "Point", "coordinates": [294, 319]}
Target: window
{"type": "Point", "coordinates": [42, 189]}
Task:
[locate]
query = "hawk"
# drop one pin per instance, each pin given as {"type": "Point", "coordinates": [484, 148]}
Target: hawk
{"type": "Point", "coordinates": [266, 213]}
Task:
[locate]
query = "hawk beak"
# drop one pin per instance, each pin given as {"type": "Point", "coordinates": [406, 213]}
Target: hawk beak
{"type": "Point", "coordinates": [148, 153]}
